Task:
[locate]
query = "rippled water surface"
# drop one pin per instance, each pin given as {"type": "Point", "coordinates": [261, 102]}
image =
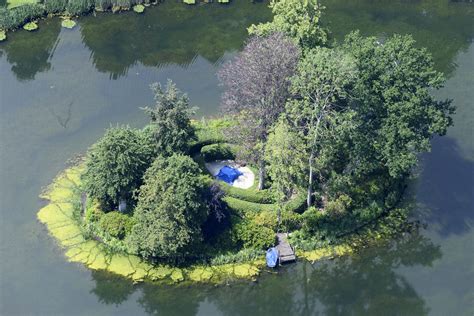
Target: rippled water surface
{"type": "Point", "coordinates": [59, 90]}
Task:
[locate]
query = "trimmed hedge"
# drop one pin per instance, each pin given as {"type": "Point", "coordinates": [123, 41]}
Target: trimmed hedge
{"type": "Point", "coordinates": [217, 152]}
{"type": "Point", "coordinates": [249, 195]}
{"type": "Point", "coordinates": [243, 207]}
{"type": "Point", "coordinates": [297, 204]}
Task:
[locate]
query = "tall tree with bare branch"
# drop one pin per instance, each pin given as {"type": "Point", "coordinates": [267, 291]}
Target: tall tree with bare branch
{"type": "Point", "coordinates": [256, 84]}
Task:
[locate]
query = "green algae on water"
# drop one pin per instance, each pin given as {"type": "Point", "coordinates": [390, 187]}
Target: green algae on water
{"type": "Point", "coordinates": [30, 26]}
{"type": "Point", "coordinates": [139, 8]}
{"type": "Point", "coordinates": [68, 23]}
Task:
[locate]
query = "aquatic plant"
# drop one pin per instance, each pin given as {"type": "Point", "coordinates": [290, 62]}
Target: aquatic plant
{"type": "Point", "coordinates": [139, 8]}
{"type": "Point", "coordinates": [30, 26]}
{"type": "Point", "coordinates": [68, 23]}
{"type": "Point", "coordinates": [3, 36]}
{"type": "Point", "coordinates": [189, 1]}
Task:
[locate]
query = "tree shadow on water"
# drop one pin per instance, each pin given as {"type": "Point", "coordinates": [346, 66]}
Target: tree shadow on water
{"type": "Point", "coordinates": [111, 288]}
{"type": "Point", "coordinates": [446, 187]}
{"type": "Point", "coordinates": [368, 284]}
{"type": "Point", "coordinates": [362, 284]}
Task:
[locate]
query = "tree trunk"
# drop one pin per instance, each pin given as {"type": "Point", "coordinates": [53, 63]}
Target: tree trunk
{"type": "Point", "coordinates": [310, 181]}
{"type": "Point", "coordinates": [261, 175]}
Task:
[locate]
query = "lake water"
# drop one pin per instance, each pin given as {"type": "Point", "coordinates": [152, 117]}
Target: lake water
{"type": "Point", "coordinates": [59, 90]}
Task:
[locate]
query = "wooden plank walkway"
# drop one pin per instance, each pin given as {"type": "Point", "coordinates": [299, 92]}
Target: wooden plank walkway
{"type": "Point", "coordinates": [285, 251]}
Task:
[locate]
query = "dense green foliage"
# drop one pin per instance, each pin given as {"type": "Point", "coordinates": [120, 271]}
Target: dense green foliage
{"type": "Point", "coordinates": [16, 17]}
{"type": "Point", "coordinates": [299, 19]}
{"type": "Point", "coordinates": [116, 224]}
{"type": "Point", "coordinates": [115, 166]}
{"type": "Point", "coordinates": [286, 169]}
{"type": "Point", "coordinates": [396, 112]}
{"type": "Point", "coordinates": [170, 209]}
{"type": "Point", "coordinates": [170, 120]}
{"type": "Point", "coordinates": [254, 236]}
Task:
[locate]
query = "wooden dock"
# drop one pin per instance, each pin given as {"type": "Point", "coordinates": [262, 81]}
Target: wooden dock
{"type": "Point", "coordinates": [285, 252]}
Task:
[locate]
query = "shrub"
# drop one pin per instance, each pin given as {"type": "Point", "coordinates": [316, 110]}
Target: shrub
{"type": "Point", "coordinates": [254, 236]}
{"type": "Point", "coordinates": [116, 224]}
{"type": "Point", "coordinates": [16, 17]}
{"type": "Point", "coordinates": [244, 255]}
{"type": "Point", "coordinates": [55, 6]}
{"type": "Point", "coordinates": [290, 221]}
{"type": "Point", "coordinates": [93, 213]}
{"type": "Point", "coordinates": [79, 7]}
{"type": "Point", "coordinates": [102, 4]}
{"type": "Point", "coordinates": [311, 221]}
{"type": "Point", "coordinates": [217, 152]}
{"type": "Point", "coordinates": [339, 207]}
{"type": "Point", "coordinates": [266, 219]}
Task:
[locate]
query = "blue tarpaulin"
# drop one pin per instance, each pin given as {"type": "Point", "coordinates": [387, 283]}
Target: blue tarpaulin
{"type": "Point", "coordinates": [272, 257]}
{"type": "Point", "coordinates": [228, 174]}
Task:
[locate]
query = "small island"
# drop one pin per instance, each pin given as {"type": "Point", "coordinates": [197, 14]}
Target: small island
{"type": "Point", "coordinates": [325, 135]}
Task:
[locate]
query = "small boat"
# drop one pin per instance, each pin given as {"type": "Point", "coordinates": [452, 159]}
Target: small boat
{"type": "Point", "coordinates": [272, 257]}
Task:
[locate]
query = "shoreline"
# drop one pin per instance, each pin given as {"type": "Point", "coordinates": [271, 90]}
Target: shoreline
{"type": "Point", "coordinates": [64, 225]}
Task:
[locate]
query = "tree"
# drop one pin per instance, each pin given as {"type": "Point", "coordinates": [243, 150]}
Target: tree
{"type": "Point", "coordinates": [170, 209]}
{"type": "Point", "coordinates": [284, 153]}
{"type": "Point", "coordinates": [298, 19]}
{"type": "Point", "coordinates": [171, 120]}
{"type": "Point", "coordinates": [319, 85]}
{"type": "Point", "coordinates": [396, 112]}
{"type": "Point", "coordinates": [256, 86]}
{"type": "Point", "coordinates": [115, 165]}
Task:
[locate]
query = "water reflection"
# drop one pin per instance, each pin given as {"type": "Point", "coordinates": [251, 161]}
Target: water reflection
{"type": "Point", "coordinates": [443, 27]}
{"type": "Point", "coordinates": [364, 284]}
{"type": "Point", "coordinates": [171, 33]}
{"type": "Point", "coordinates": [370, 285]}
{"type": "Point", "coordinates": [29, 55]}
{"type": "Point", "coordinates": [447, 193]}
{"type": "Point", "coordinates": [111, 288]}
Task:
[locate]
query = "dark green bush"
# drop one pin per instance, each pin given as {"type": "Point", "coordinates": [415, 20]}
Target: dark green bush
{"type": "Point", "coordinates": [116, 224]}
{"type": "Point", "coordinates": [16, 17]}
{"type": "Point", "coordinates": [6, 19]}
{"type": "Point", "coordinates": [102, 4]}
{"type": "Point", "coordinates": [290, 221]}
{"type": "Point", "coordinates": [93, 213]}
{"type": "Point", "coordinates": [55, 6]}
{"type": "Point", "coordinates": [254, 236]}
{"type": "Point", "coordinates": [217, 152]}
{"type": "Point", "coordinates": [339, 207]}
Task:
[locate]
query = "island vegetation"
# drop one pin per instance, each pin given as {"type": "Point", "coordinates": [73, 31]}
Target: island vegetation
{"type": "Point", "coordinates": [332, 130]}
